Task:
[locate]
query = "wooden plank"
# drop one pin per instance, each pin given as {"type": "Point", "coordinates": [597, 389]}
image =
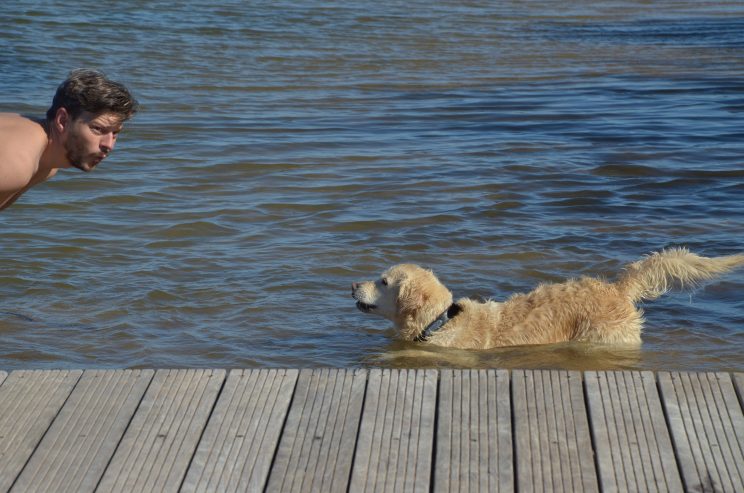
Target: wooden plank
{"type": "Point", "coordinates": [3, 376]}
{"type": "Point", "coordinates": [633, 447]}
{"type": "Point", "coordinates": [394, 450]}
{"type": "Point", "coordinates": [159, 443]}
{"type": "Point", "coordinates": [727, 419]}
{"type": "Point", "coordinates": [243, 433]}
{"type": "Point", "coordinates": [474, 432]}
{"type": "Point", "coordinates": [29, 401]}
{"type": "Point", "coordinates": [553, 443]}
{"type": "Point", "coordinates": [76, 449]}
{"type": "Point", "coordinates": [739, 384]}
{"type": "Point", "coordinates": [707, 427]}
{"type": "Point", "coordinates": [316, 447]}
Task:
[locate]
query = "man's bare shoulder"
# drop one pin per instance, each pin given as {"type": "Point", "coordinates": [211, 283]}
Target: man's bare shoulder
{"type": "Point", "coordinates": [14, 119]}
{"type": "Point", "coordinates": [13, 125]}
{"type": "Point", "coordinates": [22, 141]}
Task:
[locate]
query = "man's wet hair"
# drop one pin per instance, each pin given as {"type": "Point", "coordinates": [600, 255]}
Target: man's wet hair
{"type": "Point", "coordinates": [91, 91]}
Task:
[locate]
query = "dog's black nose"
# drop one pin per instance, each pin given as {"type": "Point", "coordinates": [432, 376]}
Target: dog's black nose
{"type": "Point", "coordinates": [354, 287]}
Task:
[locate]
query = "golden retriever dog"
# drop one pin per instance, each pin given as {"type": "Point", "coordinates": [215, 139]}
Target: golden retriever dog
{"type": "Point", "coordinates": [586, 309]}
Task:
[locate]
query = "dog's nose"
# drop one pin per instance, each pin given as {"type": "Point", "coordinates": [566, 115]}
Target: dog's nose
{"type": "Point", "coordinates": [354, 287]}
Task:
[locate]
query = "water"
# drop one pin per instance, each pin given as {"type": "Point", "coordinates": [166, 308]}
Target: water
{"type": "Point", "coordinates": [286, 149]}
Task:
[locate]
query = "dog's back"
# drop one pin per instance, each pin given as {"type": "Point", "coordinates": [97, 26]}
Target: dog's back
{"type": "Point", "coordinates": [585, 309]}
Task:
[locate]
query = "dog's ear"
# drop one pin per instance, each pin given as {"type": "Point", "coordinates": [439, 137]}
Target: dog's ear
{"type": "Point", "coordinates": [411, 296]}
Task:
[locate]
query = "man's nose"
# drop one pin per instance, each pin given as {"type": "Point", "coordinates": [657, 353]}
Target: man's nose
{"type": "Point", "coordinates": [108, 142]}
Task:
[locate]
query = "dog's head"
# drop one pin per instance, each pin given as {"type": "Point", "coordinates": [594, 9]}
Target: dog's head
{"type": "Point", "coordinates": [408, 295]}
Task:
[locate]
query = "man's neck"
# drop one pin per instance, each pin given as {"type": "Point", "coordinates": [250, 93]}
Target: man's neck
{"type": "Point", "coordinates": [53, 155]}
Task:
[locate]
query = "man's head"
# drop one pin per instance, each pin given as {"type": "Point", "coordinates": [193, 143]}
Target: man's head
{"type": "Point", "coordinates": [91, 91]}
{"type": "Point", "coordinates": [87, 113]}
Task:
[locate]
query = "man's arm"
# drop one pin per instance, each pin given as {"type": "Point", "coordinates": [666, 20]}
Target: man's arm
{"type": "Point", "coordinates": [7, 198]}
{"type": "Point", "coordinates": [14, 179]}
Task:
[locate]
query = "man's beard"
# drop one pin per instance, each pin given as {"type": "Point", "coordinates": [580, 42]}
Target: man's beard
{"type": "Point", "coordinates": [77, 156]}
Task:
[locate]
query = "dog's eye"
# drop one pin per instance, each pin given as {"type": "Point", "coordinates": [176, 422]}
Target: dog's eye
{"type": "Point", "coordinates": [384, 281]}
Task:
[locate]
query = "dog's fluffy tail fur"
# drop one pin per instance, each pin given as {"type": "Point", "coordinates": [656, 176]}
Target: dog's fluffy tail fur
{"type": "Point", "coordinates": [659, 272]}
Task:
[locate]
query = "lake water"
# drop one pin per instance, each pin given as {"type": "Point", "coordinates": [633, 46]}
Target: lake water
{"type": "Point", "coordinates": [287, 149]}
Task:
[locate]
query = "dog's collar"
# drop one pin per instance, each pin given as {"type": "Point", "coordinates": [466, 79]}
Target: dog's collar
{"type": "Point", "coordinates": [450, 312]}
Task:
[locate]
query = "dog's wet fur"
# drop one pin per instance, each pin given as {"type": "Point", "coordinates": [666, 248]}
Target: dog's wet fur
{"type": "Point", "coordinates": [586, 309]}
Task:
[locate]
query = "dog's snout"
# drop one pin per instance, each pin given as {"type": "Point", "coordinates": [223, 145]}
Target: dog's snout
{"type": "Point", "coordinates": [354, 287]}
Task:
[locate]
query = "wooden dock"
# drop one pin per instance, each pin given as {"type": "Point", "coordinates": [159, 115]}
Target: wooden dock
{"type": "Point", "coordinates": [360, 430]}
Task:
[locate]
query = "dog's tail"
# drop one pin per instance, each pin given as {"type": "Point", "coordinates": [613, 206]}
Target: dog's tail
{"type": "Point", "coordinates": [657, 273]}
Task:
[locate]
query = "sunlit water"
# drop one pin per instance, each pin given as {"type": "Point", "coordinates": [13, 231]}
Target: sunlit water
{"type": "Point", "coordinates": [287, 149]}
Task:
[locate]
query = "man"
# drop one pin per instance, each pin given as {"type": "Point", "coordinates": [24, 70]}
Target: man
{"type": "Point", "coordinates": [81, 127]}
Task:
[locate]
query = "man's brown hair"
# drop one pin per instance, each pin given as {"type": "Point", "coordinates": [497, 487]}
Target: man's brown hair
{"type": "Point", "coordinates": [91, 91]}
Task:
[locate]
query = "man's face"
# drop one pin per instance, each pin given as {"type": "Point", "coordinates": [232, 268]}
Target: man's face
{"type": "Point", "coordinates": [90, 138]}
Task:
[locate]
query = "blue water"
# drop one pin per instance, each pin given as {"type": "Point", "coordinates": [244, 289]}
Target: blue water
{"type": "Point", "coordinates": [287, 149]}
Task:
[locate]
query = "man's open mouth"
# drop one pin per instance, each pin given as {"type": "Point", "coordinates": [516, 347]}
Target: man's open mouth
{"type": "Point", "coordinates": [365, 307]}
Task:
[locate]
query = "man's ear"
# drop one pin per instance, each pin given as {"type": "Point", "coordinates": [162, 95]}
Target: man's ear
{"type": "Point", "coordinates": [62, 119]}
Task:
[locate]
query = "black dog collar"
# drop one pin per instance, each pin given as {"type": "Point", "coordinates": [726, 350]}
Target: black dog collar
{"type": "Point", "coordinates": [437, 324]}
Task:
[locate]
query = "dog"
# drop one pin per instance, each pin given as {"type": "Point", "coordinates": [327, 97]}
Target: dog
{"type": "Point", "coordinates": [586, 309]}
